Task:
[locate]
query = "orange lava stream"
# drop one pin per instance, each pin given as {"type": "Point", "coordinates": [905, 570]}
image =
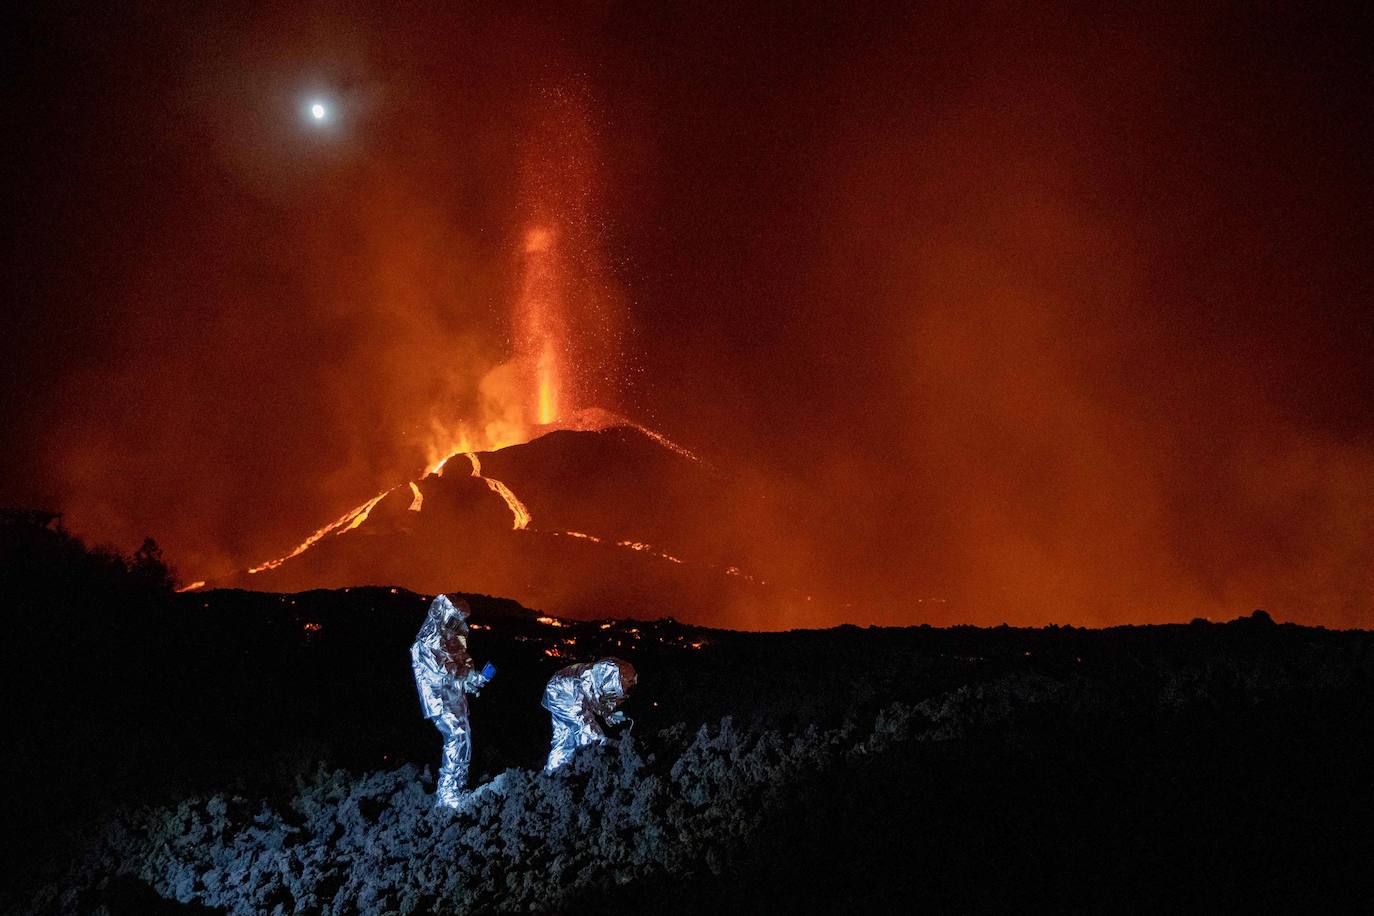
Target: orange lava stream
{"type": "Point", "coordinates": [638, 546]}
{"type": "Point", "coordinates": [346, 522]}
{"type": "Point", "coordinates": [367, 508]}
{"type": "Point", "coordinates": [663, 440]}
{"type": "Point", "coordinates": [419, 499]}
{"type": "Point", "coordinates": [648, 548]}
{"type": "Point", "coordinates": [517, 508]}
{"type": "Point", "coordinates": [193, 586]}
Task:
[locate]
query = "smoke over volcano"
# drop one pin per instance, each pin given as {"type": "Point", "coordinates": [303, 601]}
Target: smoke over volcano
{"type": "Point", "coordinates": [1059, 317]}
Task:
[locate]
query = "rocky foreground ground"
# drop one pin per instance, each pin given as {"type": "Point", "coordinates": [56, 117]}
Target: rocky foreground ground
{"type": "Point", "coordinates": [257, 753]}
{"type": "Point", "coordinates": [1188, 766]}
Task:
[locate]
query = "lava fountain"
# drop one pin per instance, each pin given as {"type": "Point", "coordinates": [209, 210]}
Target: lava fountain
{"type": "Point", "coordinates": [540, 328]}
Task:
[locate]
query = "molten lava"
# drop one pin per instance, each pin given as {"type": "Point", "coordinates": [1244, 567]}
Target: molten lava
{"type": "Point", "coordinates": [517, 508]}
{"type": "Point", "coordinates": [649, 549]}
{"type": "Point", "coordinates": [346, 522]}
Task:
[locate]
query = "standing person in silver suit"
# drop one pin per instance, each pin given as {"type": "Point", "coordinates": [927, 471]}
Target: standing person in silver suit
{"type": "Point", "coordinates": [580, 698]}
{"type": "Point", "coordinates": [444, 676]}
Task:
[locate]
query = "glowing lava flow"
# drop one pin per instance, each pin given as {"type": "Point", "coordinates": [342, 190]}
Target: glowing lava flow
{"type": "Point", "coordinates": [638, 546]}
{"type": "Point", "coordinates": [346, 522]}
{"type": "Point", "coordinates": [664, 441]}
{"type": "Point", "coordinates": [648, 548]}
{"type": "Point", "coordinates": [517, 508]}
{"type": "Point", "coordinates": [192, 587]}
{"type": "Point", "coordinates": [591, 419]}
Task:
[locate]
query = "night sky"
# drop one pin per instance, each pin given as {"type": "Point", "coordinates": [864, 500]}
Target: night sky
{"type": "Point", "coordinates": [1063, 314]}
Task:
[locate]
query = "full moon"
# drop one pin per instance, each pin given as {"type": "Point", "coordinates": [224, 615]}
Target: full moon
{"type": "Point", "coordinates": [317, 111]}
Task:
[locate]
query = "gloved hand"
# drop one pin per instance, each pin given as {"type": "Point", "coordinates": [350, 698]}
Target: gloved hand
{"type": "Point", "coordinates": [615, 718]}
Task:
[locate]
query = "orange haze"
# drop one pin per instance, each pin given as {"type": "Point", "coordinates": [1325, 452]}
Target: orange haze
{"type": "Point", "coordinates": [990, 313]}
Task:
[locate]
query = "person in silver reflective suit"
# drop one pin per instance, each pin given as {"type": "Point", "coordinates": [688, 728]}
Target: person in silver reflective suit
{"type": "Point", "coordinates": [444, 676]}
{"type": "Point", "coordinates": [580, 698]}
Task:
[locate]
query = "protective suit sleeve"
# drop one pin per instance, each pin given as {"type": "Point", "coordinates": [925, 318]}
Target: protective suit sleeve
{"type": "Point", "coordinates": [473, 682]}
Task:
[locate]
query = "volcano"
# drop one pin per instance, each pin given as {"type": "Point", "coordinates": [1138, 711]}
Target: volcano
{"type": "Point", "coordinates": [616, 521]}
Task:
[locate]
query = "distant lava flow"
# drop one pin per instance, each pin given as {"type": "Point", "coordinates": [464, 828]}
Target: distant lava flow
{"type": "Point", "coordinates": [638, 546]}
{"type": "Point", "coordinates": [346, 522]}
{"type": "Point", "coordinates": [517, 508]}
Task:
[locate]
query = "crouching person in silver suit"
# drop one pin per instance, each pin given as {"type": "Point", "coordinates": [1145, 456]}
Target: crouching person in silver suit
{"type": "Point", "coordinates": [444, 676]}
{"type": "Point", "coordinates": [582, 697]}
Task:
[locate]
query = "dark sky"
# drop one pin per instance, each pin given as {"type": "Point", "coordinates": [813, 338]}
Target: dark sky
{"type": "Point", "coordinates": [1062, 313]}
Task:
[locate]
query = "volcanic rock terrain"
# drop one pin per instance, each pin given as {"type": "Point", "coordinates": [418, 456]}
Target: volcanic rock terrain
{"type": "Point", "coordinates": [251, 752]}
